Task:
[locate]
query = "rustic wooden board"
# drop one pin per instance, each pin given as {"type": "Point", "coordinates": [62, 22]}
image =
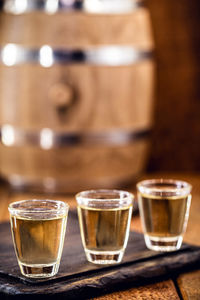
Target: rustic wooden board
{"type": "Point", "coordinates": [189, 285]}
{"type": "Point", "coordinates": [76, 276]}
{"type": "Point", "coordinates": [160, 290]}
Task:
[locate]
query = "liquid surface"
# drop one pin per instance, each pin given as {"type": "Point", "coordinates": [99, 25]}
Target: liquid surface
{"type": "Point", "coordinates": [38, 241]}
{"type": "Point", "coordinates": [164, 217]}
{"type": "Point", "coordinates": [104, 229]}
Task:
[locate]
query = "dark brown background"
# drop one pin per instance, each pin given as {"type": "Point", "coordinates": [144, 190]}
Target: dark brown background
{"type": "Point", "coordinates": [176, 135]}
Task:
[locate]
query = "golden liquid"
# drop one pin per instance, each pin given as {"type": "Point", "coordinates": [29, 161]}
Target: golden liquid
{"type": "Point", "coordinates": [38, 241]}
{"type": "Point", "coordinates": [104, 229]}
{"type": "Point", "coordinates": [164, 217]}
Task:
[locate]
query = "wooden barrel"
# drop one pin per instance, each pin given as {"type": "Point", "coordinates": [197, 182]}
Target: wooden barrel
{"type": "Point", "coordinates": [76, 93]}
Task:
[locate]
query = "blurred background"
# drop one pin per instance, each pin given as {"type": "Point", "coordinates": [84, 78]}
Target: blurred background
{"type": "Point", "coordinates": [98, 93]}
{"type": "Point", "coordinates": [176, 138]}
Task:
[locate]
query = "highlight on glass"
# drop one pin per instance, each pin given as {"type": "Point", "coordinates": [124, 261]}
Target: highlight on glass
{"type": "Point", "coordinates": [38, 230]}
{"type": "Point", "coordinates": [104, 219]}
{"type": "Point", "coordinates": [164, 209]}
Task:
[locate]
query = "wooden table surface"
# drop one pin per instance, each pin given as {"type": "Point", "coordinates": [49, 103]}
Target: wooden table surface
{"type": "Point", "coordinates": [186, 286]}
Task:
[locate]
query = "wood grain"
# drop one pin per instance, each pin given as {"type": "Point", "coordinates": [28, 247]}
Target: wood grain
{"type": "Point", "coordinates": [77, 29]}
{"type": "Point", "coordinates": [162, 290]}
{"type": "Point", "coordinates": [189, 285]}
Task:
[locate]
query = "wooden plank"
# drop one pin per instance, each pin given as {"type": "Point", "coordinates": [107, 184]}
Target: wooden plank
{"type": "Point", "coordinates": [163, 290]}
{"type": "Point", "coordinates": [189, 285]}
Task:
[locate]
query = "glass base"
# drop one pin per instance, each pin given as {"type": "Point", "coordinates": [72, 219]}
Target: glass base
{"type": "Point", "coordinates": [104, 257]}
{"type": "Point", "coordinates": [39, 271]}
{"type": "Point", "coordinates": [163, 243]}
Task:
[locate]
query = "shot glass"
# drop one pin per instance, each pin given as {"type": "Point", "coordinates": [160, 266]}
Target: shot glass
{"type": "Point", "coordinates": [104, 219]}
{"type": "Point", "coordinates": [164, 209]}
{"type": "Point", "coordinates": [38, 231]}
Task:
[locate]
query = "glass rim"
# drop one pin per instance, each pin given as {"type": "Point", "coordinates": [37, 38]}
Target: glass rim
{"type": "Point", "coordinates": [18, 210]}
{"type": "Point", "coordinates": [180, 187]}
{"type": "Point", "coordinates": [84, 196]}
